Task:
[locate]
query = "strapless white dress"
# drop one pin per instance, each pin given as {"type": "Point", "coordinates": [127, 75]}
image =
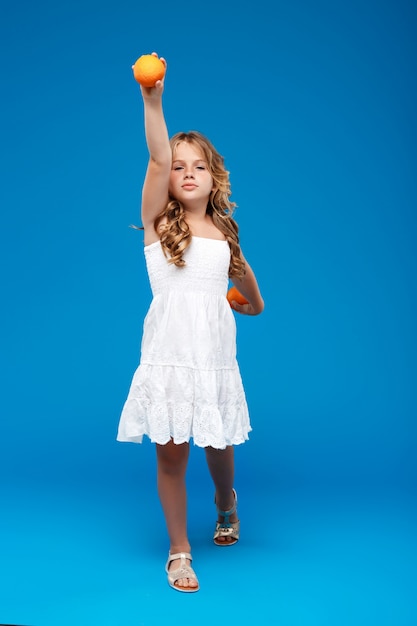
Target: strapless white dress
{"type": "Point", "coordinates": [188, 383]}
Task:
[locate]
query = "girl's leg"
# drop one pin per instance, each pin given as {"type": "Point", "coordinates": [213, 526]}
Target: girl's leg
{"type": "Point", "coordinates": [221, 464]}
{"type": "Point", "coordinates": [172, 465]}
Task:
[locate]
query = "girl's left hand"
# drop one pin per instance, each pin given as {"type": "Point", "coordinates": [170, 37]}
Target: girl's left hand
{"type": "Point", "coordinates": [244, 309]}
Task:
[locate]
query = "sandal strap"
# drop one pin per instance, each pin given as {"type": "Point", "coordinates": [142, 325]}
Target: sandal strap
{"type": "Point", "coordinates": [227, 514]}
{"type": "Point", "coordinates": [229, 530]}
{"type": "Point", "coordinates": [179, 556]}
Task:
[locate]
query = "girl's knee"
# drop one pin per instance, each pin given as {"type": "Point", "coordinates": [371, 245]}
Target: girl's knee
{"type": "Point", "coordinates": [172, 458]}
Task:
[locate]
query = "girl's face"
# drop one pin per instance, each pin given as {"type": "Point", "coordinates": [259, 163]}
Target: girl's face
{"type": "Point", "coordinates": [190, 178]}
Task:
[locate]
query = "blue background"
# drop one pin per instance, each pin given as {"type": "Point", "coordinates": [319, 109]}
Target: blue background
{"type": "Point", "coordinates": [313, 106]}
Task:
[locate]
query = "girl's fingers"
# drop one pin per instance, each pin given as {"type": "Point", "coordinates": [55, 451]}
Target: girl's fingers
{"type": "Point", "coordinates": [245, 309]}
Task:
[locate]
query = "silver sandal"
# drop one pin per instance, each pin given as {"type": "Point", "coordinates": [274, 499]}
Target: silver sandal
{"type": "Point", "coordinates": [184, 571]}
{"type": "Point", "coordinates": [227, 528]}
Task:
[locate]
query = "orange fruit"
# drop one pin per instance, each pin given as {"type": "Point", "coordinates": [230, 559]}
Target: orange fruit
{"type": "Point", "coordinates": [148, 69]}
{"type": "Point", "coordinates": [234, 294]}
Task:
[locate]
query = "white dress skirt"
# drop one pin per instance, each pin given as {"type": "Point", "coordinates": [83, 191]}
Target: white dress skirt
{"type": "Point", "coordinates": [188, 383]}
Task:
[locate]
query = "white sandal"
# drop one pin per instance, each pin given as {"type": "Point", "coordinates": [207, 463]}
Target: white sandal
{"type": "Point", "coordinates": [227, 528]}
{"type": "Point", "coordinates": [183, 571]}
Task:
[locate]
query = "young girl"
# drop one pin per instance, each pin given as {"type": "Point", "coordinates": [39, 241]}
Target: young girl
{"type": "Point", "coordinates": [188, 383]}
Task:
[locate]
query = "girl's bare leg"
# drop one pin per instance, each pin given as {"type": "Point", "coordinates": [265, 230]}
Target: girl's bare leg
{"type": "Point", "coordinates": [172, 462]}
{"type": "Point", "coordinates": [221, 464]}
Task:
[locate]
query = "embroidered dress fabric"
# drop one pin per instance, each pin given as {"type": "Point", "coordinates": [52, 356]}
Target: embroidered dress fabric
{"type": "Point", "coordinates": [188, 383]}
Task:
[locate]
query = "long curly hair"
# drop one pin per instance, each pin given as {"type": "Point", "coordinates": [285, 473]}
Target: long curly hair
{"type": "Point", "coordinates": [175, 234]}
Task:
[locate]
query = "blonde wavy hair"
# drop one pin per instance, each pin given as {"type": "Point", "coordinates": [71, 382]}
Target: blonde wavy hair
{"type": "Point", "coordinates": [175, 234]}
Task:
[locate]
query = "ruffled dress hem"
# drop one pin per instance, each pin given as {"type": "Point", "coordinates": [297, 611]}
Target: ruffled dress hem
{"type": "Point", "coordinates": [139, 440]}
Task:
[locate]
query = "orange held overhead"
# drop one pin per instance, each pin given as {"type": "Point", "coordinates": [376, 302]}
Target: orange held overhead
{"type": "Point", "coordinates": [234, 294]}
{"type": "Point", "coordinates": [148, 69]}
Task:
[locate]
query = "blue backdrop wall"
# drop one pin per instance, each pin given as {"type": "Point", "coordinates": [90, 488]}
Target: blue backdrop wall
{"type": "Point", "coordinates": [313, 108]}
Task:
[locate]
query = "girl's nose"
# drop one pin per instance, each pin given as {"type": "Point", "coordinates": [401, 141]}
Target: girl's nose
{"type": "Point", "coordinates": [188, 174]}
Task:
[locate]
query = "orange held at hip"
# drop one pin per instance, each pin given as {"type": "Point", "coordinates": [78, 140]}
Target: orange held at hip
{"type": "Point", "coordinates": [234, 294]}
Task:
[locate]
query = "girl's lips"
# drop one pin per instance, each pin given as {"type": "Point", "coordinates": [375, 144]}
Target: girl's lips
{"type": "Point", "coordinates": [189, 186]}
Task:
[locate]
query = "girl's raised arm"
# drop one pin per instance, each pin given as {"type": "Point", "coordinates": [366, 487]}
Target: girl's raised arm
{"type": "Point", "coordinates": [155, 186]}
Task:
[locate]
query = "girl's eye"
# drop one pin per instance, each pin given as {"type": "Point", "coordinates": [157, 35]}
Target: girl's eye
{"type": "Point", "coordinates": [178, 167]}
{"type": "Point", "coordinates": [201, 167]}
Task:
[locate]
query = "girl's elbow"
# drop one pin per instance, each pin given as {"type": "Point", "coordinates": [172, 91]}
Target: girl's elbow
{"type": "Point", "coordinates": [259, 307]}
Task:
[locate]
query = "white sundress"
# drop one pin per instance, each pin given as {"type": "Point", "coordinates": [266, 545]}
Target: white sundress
{"type": "Point", "coordinates": [188, 383]}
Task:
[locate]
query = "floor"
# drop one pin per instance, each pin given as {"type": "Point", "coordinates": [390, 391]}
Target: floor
{"type": "Point", "coordinates": [94, 553]}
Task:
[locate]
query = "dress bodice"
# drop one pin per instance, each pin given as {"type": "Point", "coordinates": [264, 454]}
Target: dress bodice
{"type": "Point", "coordinates": [206, 268]}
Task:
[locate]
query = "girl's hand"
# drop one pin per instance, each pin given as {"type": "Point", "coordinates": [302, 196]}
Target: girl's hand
{"type": "Point", "coordinates": [244, 309]}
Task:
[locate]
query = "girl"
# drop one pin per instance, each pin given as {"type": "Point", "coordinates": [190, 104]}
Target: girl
{"type": "Point", "coordinates": [188, 382]}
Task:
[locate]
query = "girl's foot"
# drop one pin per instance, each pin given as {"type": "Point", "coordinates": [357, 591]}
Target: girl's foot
{"type": "Point", "coordinates": [228, 525]}
{"type": "Point", "coordinates": [181, 575]}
